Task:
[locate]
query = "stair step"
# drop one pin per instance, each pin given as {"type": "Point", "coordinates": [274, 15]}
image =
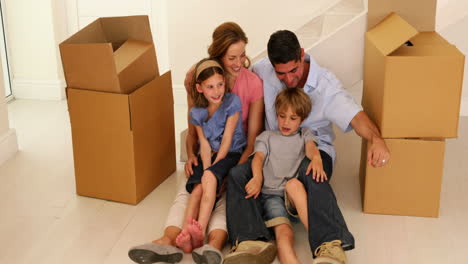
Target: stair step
{"type": "Point", "coordinates": [347, 7]}
{"type": "Point", "coordinates": [333, 22]}
{"type": "Point", "coordinates": [312, 28]}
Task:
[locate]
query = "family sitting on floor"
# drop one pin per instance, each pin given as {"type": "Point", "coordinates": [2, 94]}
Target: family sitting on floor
{"type": "Point", "coordinates": [260, 155]}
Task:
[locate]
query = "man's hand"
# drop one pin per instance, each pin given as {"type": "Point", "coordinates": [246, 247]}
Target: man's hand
{"type": "Point", "coordinates": [191, 161]}
{"type": "Point", "coordinates": [378, 154]}
{"type": "Point", "coordinates": [253, 188]}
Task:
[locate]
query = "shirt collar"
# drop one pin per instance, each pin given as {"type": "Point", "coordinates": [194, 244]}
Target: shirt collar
{"type": "Point", "coordinates": [314, 68]}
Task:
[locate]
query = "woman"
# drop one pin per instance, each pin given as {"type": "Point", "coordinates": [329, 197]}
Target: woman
{"type": "Point", "coordinates": [228, 47]}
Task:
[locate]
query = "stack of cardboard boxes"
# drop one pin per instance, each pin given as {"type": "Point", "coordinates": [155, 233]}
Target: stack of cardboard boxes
{"type": "Point", "coordinates": [412, 90]}
{"type": "Point", "coordinates": [121, 110]}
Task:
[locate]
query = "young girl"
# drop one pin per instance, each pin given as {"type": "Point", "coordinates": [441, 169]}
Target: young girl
{"type": "Point", "coordinates": [216, 117]}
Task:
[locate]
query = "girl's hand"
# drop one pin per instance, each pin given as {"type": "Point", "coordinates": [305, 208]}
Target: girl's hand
{"type": "Point", "coordinates": [316, 166]}
{"type": "Point", "coordinates": [253, 188]}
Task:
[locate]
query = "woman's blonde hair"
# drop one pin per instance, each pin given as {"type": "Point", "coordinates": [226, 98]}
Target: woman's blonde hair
{"type": "Point", "coordinates": [224, 36]}
{"type": "Point", "coordinates": [204, 69]}
{"type": "Point", "coordinates": [295, 98]}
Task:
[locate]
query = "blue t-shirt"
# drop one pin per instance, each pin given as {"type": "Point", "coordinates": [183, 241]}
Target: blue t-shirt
{"type": "Point", "coordinates": [213, 128]}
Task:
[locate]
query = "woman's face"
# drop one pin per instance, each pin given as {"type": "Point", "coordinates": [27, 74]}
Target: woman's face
{"type": "Point", "coordinates": [234, 59]}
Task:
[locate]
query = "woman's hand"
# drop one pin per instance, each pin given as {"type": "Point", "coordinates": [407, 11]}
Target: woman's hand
{"type": "Point", "coordinates": [189, 164]}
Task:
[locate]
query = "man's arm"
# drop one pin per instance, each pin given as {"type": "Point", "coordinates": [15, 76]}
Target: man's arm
{"type": "Point", "coordinates": [377, 153]}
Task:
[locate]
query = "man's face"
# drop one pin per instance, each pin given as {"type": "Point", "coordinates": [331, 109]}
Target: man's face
{"type": "Point", "coordinates": [290, 73]}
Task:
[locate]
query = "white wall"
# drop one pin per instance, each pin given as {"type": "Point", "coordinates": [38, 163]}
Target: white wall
{"type": "Point", "coordinates": [457, 34]}
{"type": "Point", "coordinates": [191, 24]}
{"type": "Point", "coordinates": [8, 141]}
{"type": "Point", "coordinates": [33, 49]}
{"type": "Point", "coordinates": [3, 109]}
{"type": "Point", "coordinates": [449, 12]}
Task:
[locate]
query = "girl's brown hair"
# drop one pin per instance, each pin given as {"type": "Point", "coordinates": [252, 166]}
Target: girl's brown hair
{"type": "Point", "coordinates": [295, 98]}
{"type": "Point", "coordinates": [224, 36]}
{"type": "Point", "coordinates": [204, 69]}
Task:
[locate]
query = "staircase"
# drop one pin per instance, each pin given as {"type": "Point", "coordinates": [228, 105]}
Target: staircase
{"type": "Point", "coordinates": [335, 39]}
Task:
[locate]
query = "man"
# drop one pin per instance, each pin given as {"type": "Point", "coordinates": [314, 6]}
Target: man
{"type": "Point", "coordinates": [289, 67]}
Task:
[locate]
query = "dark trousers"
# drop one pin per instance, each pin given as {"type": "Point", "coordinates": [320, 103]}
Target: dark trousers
{"type": "Point", "coordinates": [244, 216]}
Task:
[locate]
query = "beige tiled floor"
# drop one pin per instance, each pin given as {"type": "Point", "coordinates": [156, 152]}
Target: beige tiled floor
{"type": "Point", "coordinates": [43, 221]}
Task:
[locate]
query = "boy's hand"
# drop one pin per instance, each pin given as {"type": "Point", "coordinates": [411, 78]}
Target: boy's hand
{"type": "Point", "coordinates": [316, 166]}
{"type": "Point", "coordinates": [253, 188]}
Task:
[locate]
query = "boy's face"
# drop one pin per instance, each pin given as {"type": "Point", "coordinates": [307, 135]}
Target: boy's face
{"type": "Point", "coordinates": [288, 121]}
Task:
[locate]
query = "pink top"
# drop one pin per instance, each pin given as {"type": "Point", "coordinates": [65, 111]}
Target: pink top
{"type": "Point", "coordinates": [249, 88]}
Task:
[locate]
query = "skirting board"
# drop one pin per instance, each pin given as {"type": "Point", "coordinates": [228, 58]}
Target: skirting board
{"type": "Point", "coordinates": [39, 89]}
{"type": "Point", "coordinates": [8, 145]}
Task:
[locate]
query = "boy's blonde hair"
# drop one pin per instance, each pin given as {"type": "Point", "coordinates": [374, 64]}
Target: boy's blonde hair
{"type": "Point", "coordinates": [204, 70]}
{"type": "Point", "coordinates": [295, 98]}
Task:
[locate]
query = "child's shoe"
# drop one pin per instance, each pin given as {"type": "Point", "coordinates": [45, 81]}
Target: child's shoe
{"type": "Point", "coordinates": [153, 253]}
{"type": "Point", "coordinates": [207, 255]}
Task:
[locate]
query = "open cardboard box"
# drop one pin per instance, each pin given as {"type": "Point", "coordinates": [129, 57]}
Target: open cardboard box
{"type": "Point", "coordinates": [112, 54]}
{"type": "Point", "coordinates": [409, 184]}
{"type": "Point", "coordinates": [412, 81]}
{"type": "Point", "coordinates": [123, 145]}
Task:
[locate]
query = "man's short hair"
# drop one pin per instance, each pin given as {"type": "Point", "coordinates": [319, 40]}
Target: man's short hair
{"type": "Point", "coordinates": [283, 47]}
{"type": "Point", "coordinates": [295, 98]}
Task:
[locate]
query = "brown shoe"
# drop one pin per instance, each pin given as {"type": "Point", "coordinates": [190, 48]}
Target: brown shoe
{"type": "Point", "coordinates": [330, 253]}
{"type": "Point", "coordinates": [252, 252]}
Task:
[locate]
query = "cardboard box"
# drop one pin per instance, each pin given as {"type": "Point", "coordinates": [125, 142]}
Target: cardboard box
{"type": "Point", "coordinates": [409, 184]}
{"type": "Point", "coordinates": [112, 54]}
{"type": "Point", "coordinates": [411, 91]}
{"type": "Point", "coordinates": [123, 145]}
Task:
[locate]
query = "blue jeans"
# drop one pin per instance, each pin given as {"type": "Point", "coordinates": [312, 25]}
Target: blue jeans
{"type": "Point", "coordinates": [244, 216]}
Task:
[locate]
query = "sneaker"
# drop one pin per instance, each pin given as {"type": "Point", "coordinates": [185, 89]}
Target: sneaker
{"type": "Point", "coordinates": [153, 253]}
{"type": "Point", "coordinates": [252, 252]}
{"type": "Point", "coordinates": [207, 255]}
{"type": "Point", "coordinates": [330, 253]}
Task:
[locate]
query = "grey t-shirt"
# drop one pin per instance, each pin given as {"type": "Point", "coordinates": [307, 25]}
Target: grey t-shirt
{"type": "Point", "coordinates": [283, 156]}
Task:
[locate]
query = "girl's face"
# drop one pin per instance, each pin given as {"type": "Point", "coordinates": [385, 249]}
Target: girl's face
{"type": "Point", "coordinates": [288, 121]}
{"type": "Point", "coordinates": [212, 88]}
{"type": "Point", "coordinates": [234, 59]}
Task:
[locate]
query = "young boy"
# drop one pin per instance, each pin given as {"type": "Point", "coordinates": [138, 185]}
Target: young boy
{"type": "Point", "coordinates": [278, 155]}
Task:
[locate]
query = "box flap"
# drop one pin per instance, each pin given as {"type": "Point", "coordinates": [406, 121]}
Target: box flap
{"type": "Point", "coordinates": [152, 114]}
{"type": "Point", "coordinates": [421, 14]}
{"type": "Point", "coordinates": [89, 66]}
{"type": "Point", "coordinates": [428, 38]}
{"type": "Point", "coordinates": [126, 54]}
{"type": "Point", "coordinates": [92, 33]}
{"type": "Point", "coordinates": [120, 29]}
{"type": "Point", "coordinates": [445, 50]}
{"type": "Point", "coordinates": [391, 33]}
